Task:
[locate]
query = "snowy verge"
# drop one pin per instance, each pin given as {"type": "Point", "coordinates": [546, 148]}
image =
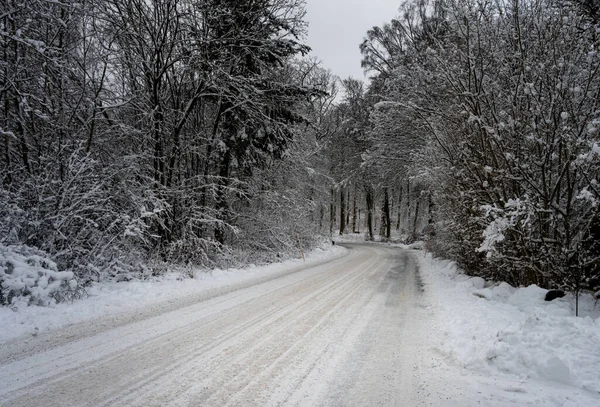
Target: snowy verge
{"type": "Point", "coordinates": [111, 298]}
{"type": "Point", "coordinates": [500, 331]}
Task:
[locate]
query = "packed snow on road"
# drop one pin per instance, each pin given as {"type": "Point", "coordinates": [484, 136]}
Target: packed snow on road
{"type": "Point", "coordinates": [362, 325]}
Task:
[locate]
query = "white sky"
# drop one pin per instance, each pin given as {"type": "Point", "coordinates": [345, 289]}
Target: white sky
{"type": "Point", "coordinates": [337, 27]}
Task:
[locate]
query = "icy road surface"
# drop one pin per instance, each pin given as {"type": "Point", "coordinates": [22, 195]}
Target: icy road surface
{"type": "Point", "coordinates": [347, 332]}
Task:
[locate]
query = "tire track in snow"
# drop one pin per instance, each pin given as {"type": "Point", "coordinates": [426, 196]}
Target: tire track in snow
{"type": "Point", "coordinates": [235, 349]}
{"type": "Point", "coordinates": [57, 359]}
{"type": "Point", "coordinates": [279, 342]}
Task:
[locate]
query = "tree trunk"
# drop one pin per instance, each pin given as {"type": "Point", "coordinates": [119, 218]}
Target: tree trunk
{"type": "Point", "coordinates": [370, 212]}
{"type": "Point", "coordinates": [386, 211]}
{"type": "Point", "coordinates": [321, 216]}
{"type": "Point", "coordinates": [342, 211]}
{"type": "Point", "coordinates": [382, 223]}
{"type": "Point", "coordinates": [354, 230]}
{"type": "Point", "coordinates": [414, 231]}
{"type": "Point", "coordinates": [399, 209]}
{"type": "Point", "coordinates": [407, 218]}
{"type": "Point", "coordinates": [430, 208]}
{"type": "Point", "coordinates": [348, 208]}
{"type": "Point", "coordinates": [159, 164]}
{"type": "Point", "coordinates": [332, 212]}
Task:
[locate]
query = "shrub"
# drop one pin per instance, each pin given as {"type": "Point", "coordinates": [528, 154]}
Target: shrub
{"type": "Point", "coordinates": [27, 274]}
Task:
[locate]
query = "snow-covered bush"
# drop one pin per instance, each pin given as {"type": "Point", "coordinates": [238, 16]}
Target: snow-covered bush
{"type": "Point", "coordinates": [94, 214]}
{"type": "Point", "coordinates": [194, 250]}
{"type": "Point", "coordinates": [28, 275]}
{"type": "Point", "coordinates": [104, 174]}
{"type": "Point", "coordinates": [515, 134]}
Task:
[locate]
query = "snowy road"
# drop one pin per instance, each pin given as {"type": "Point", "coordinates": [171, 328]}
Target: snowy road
{"type": "Point", "coordinates": [343, 333]}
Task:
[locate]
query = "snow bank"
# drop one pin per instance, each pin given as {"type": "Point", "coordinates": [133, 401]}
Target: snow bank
{"type": "Point", "coordinates": [114, 298]}
{"type": "Point", "coordinates": [499, 329]}
{"type": "Point", "coordinates": [29, 277]}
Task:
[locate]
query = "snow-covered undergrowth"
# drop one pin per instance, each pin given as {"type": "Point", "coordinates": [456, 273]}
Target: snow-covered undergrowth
{"type": "Point", "coordinates": [113, 298]}
{"type": "Point", "coordinates": [350, 237]}
{"type": "Point", "coordinates": [29, 277]}
{"type": "Point", "coordinates": [396, 240]}
{"type": "Point", "coordinates": [492, 328]}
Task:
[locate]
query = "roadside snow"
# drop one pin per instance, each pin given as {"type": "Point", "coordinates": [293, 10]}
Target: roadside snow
{"type": "Point", "coordinates": [111, 299]}
{"type": "Point", "coordinates": [536, 351]}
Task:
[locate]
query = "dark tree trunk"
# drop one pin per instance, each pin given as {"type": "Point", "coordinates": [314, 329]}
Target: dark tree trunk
{"type": "Point", "coordinates": [407, 215]}
{"type": "Point", "coordinates": [382, 223]}
{"type": "Point", "coordinates": [399, 209]}
{"type": "Point", "coordinates": [332, 212]}
{"type": "Point", "coordinates": [416, 219]}
{"type": "Point", "coordinates": [370, 212]}
{"type": "Point", "coordinates": [386, 211]}
{"type": "Point", "coordinates": [354, 223]}
{"type": "Point", "coordinates": [430, 208]}
{"type": "Point", "coordinates": [348, 208]}
{"type": "Point", "coordinates": [342, 211]}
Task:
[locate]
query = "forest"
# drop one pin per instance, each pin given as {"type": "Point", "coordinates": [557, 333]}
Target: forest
{"type": "Point", "coordinates": [141, 134]}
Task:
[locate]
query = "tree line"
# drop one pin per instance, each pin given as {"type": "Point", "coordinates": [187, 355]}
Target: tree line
{"type": "Point", "coordinates": [181, 131]}
{"type": "Point", "coordinates": [139, 132]}
{"type": "Point", "coordinates": [490, 112]}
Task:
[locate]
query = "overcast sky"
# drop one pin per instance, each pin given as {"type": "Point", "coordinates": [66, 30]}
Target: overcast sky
{"type": "Point", "coordinates": [337, 27]}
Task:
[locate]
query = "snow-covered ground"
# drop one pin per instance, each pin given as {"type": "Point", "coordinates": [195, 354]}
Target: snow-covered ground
{"type": "Point", "coordinates": [470, 342]}
{"type": "Point", "coordinates": [494, 344]}
{"type": "Point", "coordinates": [344, 332]}
{"type": "Point", "coordinates": [111, 299]}
{"type": "Point", "coordinates": [508, 344]}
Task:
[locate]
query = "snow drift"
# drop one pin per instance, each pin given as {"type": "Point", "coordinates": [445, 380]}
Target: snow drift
{"type": "Point", "coordinates": [494, 327]}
